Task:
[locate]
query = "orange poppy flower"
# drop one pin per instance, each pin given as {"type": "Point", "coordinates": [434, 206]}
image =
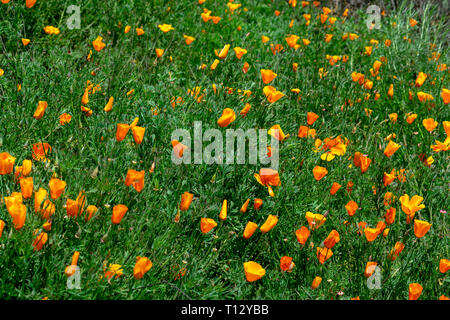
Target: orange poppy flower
{"type": "Point", "coordinates": [351, 207]}
{"type": "Point", "coordinates": [430, 124]}
{"type": "Point", "coordinates": [90, 212]}
{"type": "Point", "coordinates": [26, 187]}
{"type": "Point", "coordinates": [323, 254]}
{"type": "Point", "coordinates": [421, 228]}
{"type": "Point", "coordinates": [239, 52]}
{"type": "Point", "coordinates": [224, 52]}
{"type": "Point", "coordinates": [412, 22]}
{"type": "Point", "coordinates": [40, 240]}
{"type": "Point", "coordinates": [51, 30]}
{"type": "Point", "coordinates": [311, 118]}
{"type": "Point", "coordinates": [136, 179]}
{"type": "Point", "coordinates": [228, 116]}
{"type": "Point", "coordinates": [109, 105]}
{"type": "Point", "coordinates": [18, 213]}
{"type": "Point", "coordinates": [272, 94]}
{"type": "Point", "coordinates": [114, 270]}
{"type": "Point", "coordinates": [178, 148]}
{"type": "Point", "coordinates": [276, 132]}
{"type": "Point", "coordinates": [414, 292]}
{"type": "Point", "coordinates": [118, 213]}
{"type": "Point", "coordinates": [302, 234]}
{"type": "Point", "coordinates": [207, 224]}
{"type": "Point", "coordinates": [64, 118]}
{"type": "Point", "coordinates": [316, 282]}
{"type": "Point", "coordinates": [332, 239]}
{"type": "Point", "coordinates": [315, 220]}
{"type": "Point", "coordinates": [286, 264]}
{"type": "Point", "coordinates": [423, 97]}
{"type": "Point", "coordinates": [421, 77]}
{"type": "Point", "coordinates": [250, 229]}
{"type": "Point", "coordinates": [245, 206]}
{"type": "Point", "coordinates": [165, 27]}
{"type": "Point", "coordinates": [186, 199]}
{"type": "Point", "coordinates": [140, 31]}
{"type": "Point", "coordinates": [122, 130]}
{"type": "Point", "coordinates": [6, 163]}
{"type": "Point", "coordinates": [57, 187]}
{"type": "Point", "coordinates": [223, 211]}
{"type": "Point", "coordinates": [159, 52]}
{"type": "Point", "coordinates": [292, 41]}
{"type": "Point", "coordinates": [391, 148]}
{"type": "Point", "coordinates": [390, 216]}
{"type": "Point", "coordinates": [214, 64]}
{"type": "Point", "coordinates": [253, 271]}
{"type": "Point", "coordinates": [334, 188]}
{"type": "Point", "coordinates": [245, 67]}
{"type": "Point", "coordinates": [40, 110]}
{"type": "Point", "coordinates": [370, 269]}
{"type": "Point", "coordinates": [444, 264]}
{"type": "Point", "coordinates": [138, 134]}
{"type": "Point", "coordinates": [142, 266]}
{"type": "Point", "coordinates": [257, 204]}
{"type": "Point", "coordinates": [319, 172]}
{"type": "Point", "coordinates": [267, 75]}
{"type": "Point", "coordinates": [98, 44]}
{"type": "Point", "coordinates": [445, 94]}
{"type": "Point", "coordinates": [271, 222]}
{"type": "Point", "coordinates": [398, 248]}
{"type": "Point", "coordinates": [30, 3]}
{"type": "Point", "coordinates": [371, 233]}
{"type": "Point", "coordinates": [411, 206]}
{"type": "Point", "coordinates": [70, 270]}
{"type": "Point", "coordinates": [2, 226]}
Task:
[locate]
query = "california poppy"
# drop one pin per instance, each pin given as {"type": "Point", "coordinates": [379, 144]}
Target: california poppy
{"type": "Point", "coordinates": [323, 254]}
{"type": "Point", "coordinates": [316, 282]}
{"type": "Point", "coordinates": [421, 228]}
{"type": "Point", "coordinates": [223, 211]}
{"type": "Point", "coordinates": [272, 94]}
{"type": "Point", "coordinates": [98, 43]}
{"type": "Point", "coordinates": [70, 270]}
{"type": "Point", "coordinates": [257, 203]}
{"type": "Point", "coordinates": [239, 52]}
{"type": "Point", "coordinates": [302, 234]}
{"type": "Point", "coordinates": [253, 271]}
{"type": "Point", "coordinates": [40, 110]}
{"type": "Point", "coordinates": [444, 264]}
{"type": "Point", "coordinates": [286, 264]}
{"type": "Point", "coordinates": [267, 75]}
{"type": "Point", "coordinates": [430, 124]}
{"type": "Point", "coordinates": [396, 251]}
{"type": "Point", "coordinates": [315, 220]}
{"type": "Point", "coordinates": [26, 187]}
{"type": "Point", "coordinates": [370, 268]}
{"type": "Point", "coordinates": [390, 215]}
{"type": "Point", "coordinates": [250, 229]}
{"type": "Point", "coordinates": [186, 199]}
{"type": "Point", "coordinates": [414, 292]}
{"type": "Point", "coordinates": [227, 117]}
{"type": "Point", "coordinates": [40, 240]}
{"type": "Point", "coordinates": [391, 148]}
{"type": "Point", "coordinates": [118, 213]}
{"type": "Point", "coordinates": [159, 52]}
{"type": "Point", "coordinates": [136, 179]}
{"type": "Point", "coordinates": [271, 222]}
{"type": "Point", "coordinates": [2, 226]}
{"type": "Point", "coordinates": [319, 172]}
{"type": "Point", "coordinates": [334, 188]}
{"type": "Point", "coordinates": [6, 163]}
{"type": "Point", "coordinates": [332, 239]}
{"type": "Point", "coordinates": [142, 266]}
{"type": "Point", "coordinates": [207, 224]}
{"type": "Point", "coordinates": [165, 27]}
{"type": "Point", "coordinates": [57, 187]}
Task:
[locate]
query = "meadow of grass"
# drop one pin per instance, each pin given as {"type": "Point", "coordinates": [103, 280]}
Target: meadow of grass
{"type": "Point", "coordinates": [186, 263]}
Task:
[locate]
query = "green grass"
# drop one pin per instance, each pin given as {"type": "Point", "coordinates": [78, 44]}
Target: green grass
{"type": "Point", "coordinates": [86, 155]}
